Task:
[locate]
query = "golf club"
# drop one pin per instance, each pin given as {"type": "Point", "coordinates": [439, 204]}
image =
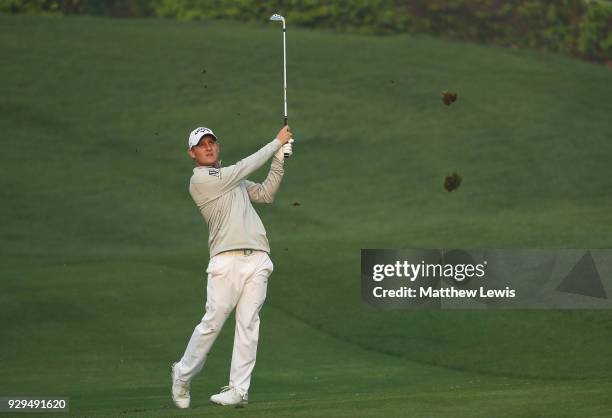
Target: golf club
{"type": "Point", "coordinates": [287, 148]}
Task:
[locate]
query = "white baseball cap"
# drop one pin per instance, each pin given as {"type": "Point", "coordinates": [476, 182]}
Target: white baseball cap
{"type": "Point", "coordinates": [197, 134]}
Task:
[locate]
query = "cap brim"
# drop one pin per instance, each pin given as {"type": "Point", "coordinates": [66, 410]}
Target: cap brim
{"type": "Point", "coordinates": [202, 136]}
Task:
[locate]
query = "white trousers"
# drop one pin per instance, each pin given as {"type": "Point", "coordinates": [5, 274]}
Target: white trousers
{"type": "Point", "coordinates": [235, 280]}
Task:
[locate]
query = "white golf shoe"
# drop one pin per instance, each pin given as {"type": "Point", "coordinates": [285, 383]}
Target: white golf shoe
{"type": "Point", "coordinates": [180, 390]}
{"type": "Point", "coordinates": [230, 395]}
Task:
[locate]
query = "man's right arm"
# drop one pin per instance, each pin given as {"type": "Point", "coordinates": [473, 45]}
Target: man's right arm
{"type": "Point", "coordinates": [233, 174]}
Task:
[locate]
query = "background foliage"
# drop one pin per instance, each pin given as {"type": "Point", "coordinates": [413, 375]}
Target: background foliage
{"type": "Point", "coordinates": [577, 27]}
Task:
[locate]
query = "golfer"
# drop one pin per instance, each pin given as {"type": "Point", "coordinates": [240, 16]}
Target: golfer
{"type": "Point", "coordinates": [239, 264]}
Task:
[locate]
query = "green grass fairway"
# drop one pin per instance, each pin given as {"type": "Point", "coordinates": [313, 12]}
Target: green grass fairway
{"type": "Point", "coordinates": [102, 251]}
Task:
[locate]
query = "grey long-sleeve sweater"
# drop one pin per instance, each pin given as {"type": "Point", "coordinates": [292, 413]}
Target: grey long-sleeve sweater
{"type": "Point", "coordinates": [224, 197]}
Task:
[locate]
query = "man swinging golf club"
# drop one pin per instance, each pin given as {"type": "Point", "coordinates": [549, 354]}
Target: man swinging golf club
{"type": "Point", "coordinates": [239, 266]}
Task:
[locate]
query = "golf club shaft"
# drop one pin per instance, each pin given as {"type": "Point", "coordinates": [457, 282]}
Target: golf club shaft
{"type": "Point", "coordinates": [287, 154]}
{"type": "Point", "coordinates": [285, 69]}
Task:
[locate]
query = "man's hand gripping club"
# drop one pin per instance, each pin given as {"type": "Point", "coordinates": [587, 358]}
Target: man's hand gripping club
{"type": "Point", "coordinates": [286, 138]}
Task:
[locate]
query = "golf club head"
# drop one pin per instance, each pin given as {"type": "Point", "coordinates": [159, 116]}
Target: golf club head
{"type": "Point", "coordinates": [278, 18]}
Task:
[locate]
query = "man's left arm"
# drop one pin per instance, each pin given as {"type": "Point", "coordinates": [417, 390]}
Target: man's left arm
{"type": "Point", "coordinates": [265, 192]}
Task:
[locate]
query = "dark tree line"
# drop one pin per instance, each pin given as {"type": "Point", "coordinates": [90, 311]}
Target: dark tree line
{"type": "Point", "coordinates": [582, 28]}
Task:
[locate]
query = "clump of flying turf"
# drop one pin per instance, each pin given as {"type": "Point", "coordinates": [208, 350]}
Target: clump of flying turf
{"type": "Point", "coordinates": [449, 97]}
{"type": "Point", "coordinates": [452, 181]}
